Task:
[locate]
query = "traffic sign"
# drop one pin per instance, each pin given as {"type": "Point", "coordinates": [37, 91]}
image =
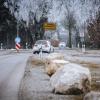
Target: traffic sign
{"type": "Point", "coordinates": [17, 39]}
{"type": "Point", "coordinates": [49, 26]}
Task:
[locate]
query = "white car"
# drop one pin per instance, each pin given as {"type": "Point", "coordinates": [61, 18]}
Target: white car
{"type": "Point", "coordinates": [62, 45]}
{"type": "Point", "coordinates": [43, 45]}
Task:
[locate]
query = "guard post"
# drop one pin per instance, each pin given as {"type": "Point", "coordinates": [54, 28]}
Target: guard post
{"type": "Point", "coordinates": [17, 43]}
{"type": "Point", "coordinates": [40, 53]}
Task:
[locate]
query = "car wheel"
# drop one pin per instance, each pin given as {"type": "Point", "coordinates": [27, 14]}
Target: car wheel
{"type": "Point", "coordinates": [34, 52]}
{"type": "Point", "coordinates": [38, 52]}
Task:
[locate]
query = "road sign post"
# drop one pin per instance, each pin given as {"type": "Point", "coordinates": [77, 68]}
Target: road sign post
{"type": "Point", "coordinates": [83, 48]}
{"type": "Point", "coordinates": [83, 42]}
{"type": "Point", "coordinates": [17, 41]}
{"type": "Point", "coordinates": [26, 45]}
{"type": "Point", "coordinates": [17, 46]}
{"type": "Point", "coordinates": [78, 45]}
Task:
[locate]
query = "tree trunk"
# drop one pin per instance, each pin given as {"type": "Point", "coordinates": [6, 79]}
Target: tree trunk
{"type": "Point", "coordinates": [70, 40]}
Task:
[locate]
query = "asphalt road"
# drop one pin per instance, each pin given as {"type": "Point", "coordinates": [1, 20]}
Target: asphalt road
{"type": "Point", "coordinates": [12, 68]}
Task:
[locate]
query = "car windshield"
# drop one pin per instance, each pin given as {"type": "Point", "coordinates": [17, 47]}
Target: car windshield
{"type": "Point", "coordinates": [41, 42]}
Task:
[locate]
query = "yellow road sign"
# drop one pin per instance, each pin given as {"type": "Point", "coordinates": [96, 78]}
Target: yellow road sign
{"type": "Point", "coordinates": [49, 26]}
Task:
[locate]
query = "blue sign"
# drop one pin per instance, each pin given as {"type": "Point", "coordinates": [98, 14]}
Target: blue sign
{"type": "Point", "coordinates": [17, 39]}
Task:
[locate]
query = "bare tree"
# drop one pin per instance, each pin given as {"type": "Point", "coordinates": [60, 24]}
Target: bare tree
{"type": "Point", "coordinates": [37, 17]}
{"type": "Point", "coordinates": [69, 21]}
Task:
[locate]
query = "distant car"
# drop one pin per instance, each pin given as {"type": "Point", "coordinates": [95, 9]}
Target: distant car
{"type": "Point", "coordinates": [62, 45]}
{"type": "Point", "coordinates": [43, 45]}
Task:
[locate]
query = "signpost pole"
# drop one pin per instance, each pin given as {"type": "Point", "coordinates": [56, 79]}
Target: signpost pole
{"type": "Point", "coordinates": [78, 45]}
{"type": "Point", "coordinates": [26, 46]}
{"type": "Point", "coordinates": [83, 48]}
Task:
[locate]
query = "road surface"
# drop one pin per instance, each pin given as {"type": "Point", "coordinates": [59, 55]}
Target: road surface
{"type": "Point", "coordinates": [12, 68]}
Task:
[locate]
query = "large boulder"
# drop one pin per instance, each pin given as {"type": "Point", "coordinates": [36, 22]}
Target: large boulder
{"type": "Point", "coordinates": [51, 66]}
{"type": "Point", "coordinates": [71, 79]}
{"type": "Point", "coordinates": [92, 96]}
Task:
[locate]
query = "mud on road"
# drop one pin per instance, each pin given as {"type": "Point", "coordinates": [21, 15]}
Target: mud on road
{"type": "Point", "coordinates": [35, 84]}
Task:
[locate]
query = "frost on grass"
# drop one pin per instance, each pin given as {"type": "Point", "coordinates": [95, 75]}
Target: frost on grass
{"type": "Point", "coordinates": [51, 66]}
{"type": "Point", "coordinates": [53, 62]}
